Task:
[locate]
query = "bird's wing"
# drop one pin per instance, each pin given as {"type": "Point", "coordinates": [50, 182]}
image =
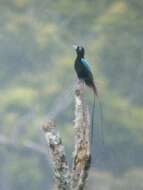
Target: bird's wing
{"type": "Point", "coordinates": [86, 64]}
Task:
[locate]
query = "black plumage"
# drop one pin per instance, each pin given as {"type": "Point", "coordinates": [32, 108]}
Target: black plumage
{"type": "Point", "coordinates": [84, 73]}
{"type": "Point", "coordinates": [83, 69]}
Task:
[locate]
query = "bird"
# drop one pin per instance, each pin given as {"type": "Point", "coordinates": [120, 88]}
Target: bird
{"type": "Point", "coordinates": [83, 69]}
{"type": "Point", "coordinates": [84, 73]}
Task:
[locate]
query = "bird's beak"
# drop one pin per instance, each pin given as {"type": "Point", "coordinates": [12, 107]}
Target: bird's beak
{"type": "Point", "coordinates": [75, 46]}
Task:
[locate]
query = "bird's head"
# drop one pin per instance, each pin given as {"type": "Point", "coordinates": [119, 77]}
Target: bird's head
{"type": "Point", "coordinates": [79, 50]}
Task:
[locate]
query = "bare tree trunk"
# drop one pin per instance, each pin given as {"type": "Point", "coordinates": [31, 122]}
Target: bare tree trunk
{"type": "Point", "coordinates": [74, 180]}
{"type": "Point", "coordinates": [58, 157]}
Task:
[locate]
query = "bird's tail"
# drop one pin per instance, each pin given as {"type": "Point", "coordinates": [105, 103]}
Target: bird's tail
{"type": "Point", "coordinates": [92, 122]}
{"type": "Point", "coordinates": [101, 112]}
{"type": "Point", "coordinates": [95, 89]}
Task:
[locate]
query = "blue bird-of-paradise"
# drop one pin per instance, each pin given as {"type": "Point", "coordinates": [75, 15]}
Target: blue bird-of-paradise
{"type": "Point", "coordinates": [83, 71]}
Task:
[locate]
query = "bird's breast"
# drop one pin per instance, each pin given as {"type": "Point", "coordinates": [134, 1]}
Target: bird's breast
{"type": "Point", "coordinates": [80, 70]}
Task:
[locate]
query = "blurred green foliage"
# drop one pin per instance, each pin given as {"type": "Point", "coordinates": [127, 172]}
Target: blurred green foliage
{"type": "Point", "coordinates": [36, 68]}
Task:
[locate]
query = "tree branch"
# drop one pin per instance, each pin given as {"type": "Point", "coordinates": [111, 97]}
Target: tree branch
{"type": "Point", "coordinates": [82, 156]}
{"type": "Point", "coordinates": [58, 157]}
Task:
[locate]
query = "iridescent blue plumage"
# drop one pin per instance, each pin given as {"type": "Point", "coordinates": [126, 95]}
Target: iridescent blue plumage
{"type": "Point", "coordinates": [83, 69]}
{"type": "Point", "coordinates": [86, 64]}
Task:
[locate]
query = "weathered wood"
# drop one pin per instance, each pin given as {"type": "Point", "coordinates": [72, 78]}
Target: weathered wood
{"type": "Point", "coordinates": [58, 158]}
{"type": "Point", "coordinates": [81, 156]}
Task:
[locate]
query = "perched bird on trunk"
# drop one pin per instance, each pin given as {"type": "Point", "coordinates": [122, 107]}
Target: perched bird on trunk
{"type": "Point", "coordinates": [83, 71]}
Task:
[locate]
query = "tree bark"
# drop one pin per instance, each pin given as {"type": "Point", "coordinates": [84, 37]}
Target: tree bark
{"type": "Point", "coordinates": [74, 180]}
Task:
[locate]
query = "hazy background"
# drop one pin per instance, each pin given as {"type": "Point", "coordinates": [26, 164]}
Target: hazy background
{"type": "Point", "coordinates": [37, 82]}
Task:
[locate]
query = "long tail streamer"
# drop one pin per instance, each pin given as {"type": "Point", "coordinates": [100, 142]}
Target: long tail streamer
{"type": "Point", "coordinates": [101, 118]}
